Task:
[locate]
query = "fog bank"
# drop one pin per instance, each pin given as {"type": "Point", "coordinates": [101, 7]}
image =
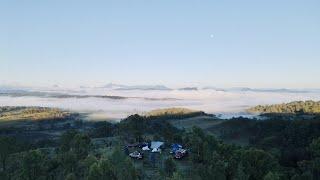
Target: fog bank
{"type": "Point", "coordinates": [211, 101]}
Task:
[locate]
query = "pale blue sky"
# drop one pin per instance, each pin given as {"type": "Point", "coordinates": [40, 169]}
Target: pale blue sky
{"type": "Point", "coordinates": [267, 43]}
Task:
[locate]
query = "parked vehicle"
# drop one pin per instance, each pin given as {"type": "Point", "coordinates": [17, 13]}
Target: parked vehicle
{"type": "Point", "coordinates": [136, 155]}
{"type": "Point", "coordinates": [180, 153]}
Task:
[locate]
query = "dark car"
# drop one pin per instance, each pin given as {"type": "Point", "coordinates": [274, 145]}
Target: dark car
{"type": "Point", "coordinates": [180, 153]}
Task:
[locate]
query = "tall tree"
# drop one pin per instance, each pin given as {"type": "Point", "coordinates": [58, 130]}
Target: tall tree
{"type": "Point", "coordinates": [33, 165]}
{"type": "Point", "coordinates": [170, 166]}
{"type": "Point", "coordinates": [7, 146]}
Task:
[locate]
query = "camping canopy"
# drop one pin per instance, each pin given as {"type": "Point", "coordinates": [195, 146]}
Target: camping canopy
{"type": "Point", "coordinates": [175, 147]}
{"type": "Point", "coordinates": [156, 144]}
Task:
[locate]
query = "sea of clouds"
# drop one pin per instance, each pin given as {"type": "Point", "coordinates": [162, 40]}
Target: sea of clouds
{"type": "Point", "coordinates": [224, 103]}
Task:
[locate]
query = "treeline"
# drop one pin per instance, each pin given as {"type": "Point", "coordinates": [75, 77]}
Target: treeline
{"type": "Point", "coordinates": [278, 149]}
{"type": "Point", "coordinates": [210, 159]}
{"type": "Point", "coordinates": [292, 142]}
{"type": "Point", "coordinates": [73, 156]}
{"type": "Point", "coordinates": [134, 128]}
{"type": "Point", "coordinates": [306, 107]}
{"type": "Point", "coordinates": [175, 113]}
{"type": "Point", "coordinates": [71, 160]}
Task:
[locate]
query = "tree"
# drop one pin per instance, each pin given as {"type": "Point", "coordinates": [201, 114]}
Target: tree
{"type": "Point", "coordinates": [107, 169]}
{"type": "Point", "coordinates": [66, 140]}
{"type": "Point", "coordinates": [315, 148]}
{"type": "Point", "coordinates": [87, 163]}
{"type": "Point", "coordinates": [102, 170]}
{"type": "Point", "coordinates": [80, 145]}
{"type": "Point", "coordinates": [304, 176]}
{"type": "Point", "coordinates": [201, 145]}
{"type": "Point", "coordinates": [102, 129]}
{"type": "Point", "coordinates": [126, 170]}
{"type": "Point", "coordinates": [271, 176]}
{"type": "Point", "coordinates": [68, 161]}
{"type": "Point", "coordinates": [94, 172]}
{"type": "Point", "coordinates": [138, 124]}
{"type": "Point", "coordinates": [71, 176]}
{"type": "Point", "coordinates": [76, 142]}
{"type": "Point", "coordinates": [33, 165]}
{"type": "Point", "coordinates": [215, 168]}
{"type": "Point", "coordinates": [257, 163]}
{"type": "Point", "coordinates": [123, 166]}
{"type": "Point", "coordinates": [169, 166]}
{"type": "Point", "coordinates": [177, 176]}
{"type": "Point", "coordinates": [7, 147]}
{"type": "Point", "coordinates": [240, 174]}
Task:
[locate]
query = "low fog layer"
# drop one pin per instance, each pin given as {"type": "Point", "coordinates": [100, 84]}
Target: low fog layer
{"type": "Point", "coordinates": [226, 103]}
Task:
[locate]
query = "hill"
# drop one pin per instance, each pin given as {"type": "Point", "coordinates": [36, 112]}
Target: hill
{"type": "Point", "coordinates": [8, 113]}
{"type": "Point", "coordinates": [175, 112]}
{"type": "Point", "coordinates": [308, 107]}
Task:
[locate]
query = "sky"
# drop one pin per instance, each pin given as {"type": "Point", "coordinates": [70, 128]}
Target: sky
{"type": "Point", "coordinates": [248, 43]}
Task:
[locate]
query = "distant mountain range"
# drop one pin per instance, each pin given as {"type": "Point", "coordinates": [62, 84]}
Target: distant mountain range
{"type": "Point", "coordinates": [189, 89]}
{"type": "Point", "coordinates": [137, 87]}
{"type": "Point", "coordinates": [42, 94]}
{"type": "Point", "coordinates": [213, 88]}
{"type": "Point", "coordinates": [23, 93]}
{"type": "Point", "coordinates": [120, 87]}
{"type": "Point", "coordinates": [283, 90]}
{"type": "Point", "coordinates": [271, 90]}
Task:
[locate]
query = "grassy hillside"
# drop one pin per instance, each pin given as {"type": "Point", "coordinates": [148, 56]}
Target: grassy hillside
{"type": "Point", "coordinates": [31, 113]}
{"type": "Point", "coordinates": [309, 107]}
{"type": "Point", "coordinates": [204, 122]}
{"type": "Point", "coordinates": [183, 118]}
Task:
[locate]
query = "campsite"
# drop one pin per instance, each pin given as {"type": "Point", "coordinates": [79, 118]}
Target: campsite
{"type": "Point", "coordinates": [149, 150]}
{"type": "Point", "coordinates": [154, 157]}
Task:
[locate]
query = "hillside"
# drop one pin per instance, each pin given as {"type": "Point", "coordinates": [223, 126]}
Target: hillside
{"type": "Point", "coordinates": [239, 148]}
{"type": "Point", "coordinates": [276, 149]}
{"type": "Point", "coordinates": [308, 107]}
{"type": "Point", "coordinates": [8, 113]}
{"type": "Point", "coordinates": [173, 112]}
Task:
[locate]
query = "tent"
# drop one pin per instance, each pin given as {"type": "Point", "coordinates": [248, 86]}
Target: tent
{"type": "Point", "coordinates": [146, 148]}
{"type": "Point", "coordinates": [156, 150]}
{"type": "Point", "coordinates": [155, 146]}
{"type": "Point", "coordinates": [175, 147]}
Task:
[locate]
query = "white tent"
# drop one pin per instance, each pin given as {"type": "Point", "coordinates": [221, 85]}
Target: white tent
{"type": "Point", "coordinates": [155, 146]}
{"type": "Point", "coordinates": [146, 148]}
{"type": "Point", "coordinates": [156, 150]}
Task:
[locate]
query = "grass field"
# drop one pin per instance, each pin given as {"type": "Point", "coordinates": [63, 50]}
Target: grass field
{"type": "Point", "coordinates": [204, 122]}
